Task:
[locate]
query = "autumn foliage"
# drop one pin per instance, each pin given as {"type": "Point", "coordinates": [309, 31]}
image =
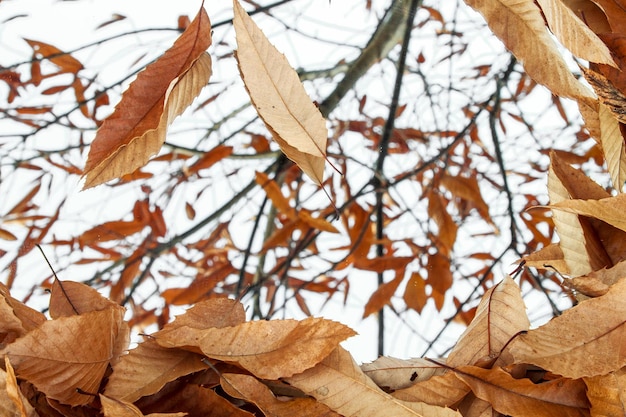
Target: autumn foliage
{"type": "Point", "coordinates": [77, 360]}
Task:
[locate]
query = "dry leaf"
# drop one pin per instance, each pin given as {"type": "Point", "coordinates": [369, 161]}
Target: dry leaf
{"type": "Point", "coordinates": [396, 373]}
{"type": "Point", "coordinates": [339, 383]}
{"type": "Point", "coordinates": [112, 407]}
{"type": "Point", "coordinates": [572, 238]}
{"type": "Point", "coordinates": [574, 34]}
{"type": "Point", "coordinates": [267, 349]}
{"type": "Point", "coordinates": [612, 146]}
{"type": "Point", "coordinates": [609, 210]}
{"type": "Point", "coordinates": [12, 401]}
{"type": "Point", "coordinates": [609, 94]}
{"type": "Point", "coordinates": [607, 394]}
{"type": "Point", "coordinates": [500, 316]}
{"type": "Point", "coordinates": [520, 26]}
{"type": "Point", "coordinates": [148, 367]}
{"type": "Point", "coordinates": [584, 341]}
{"type": "Point", "coordinates": [442, 390]}
{"type": "Point", "coordinates": [136, 129]}
{"type": "Point", "coordinates": [279, 97]}
{"type": "Point", "coordinates": [523, 398]}
{"type": "Point", "coordinates": [550, 257]}
{"type": "Point", "coordinates": [69, 354]}
{"type": "Point", "coordinates": [69, 298]}
{"type": "Point", "coordinates": [250, 389]}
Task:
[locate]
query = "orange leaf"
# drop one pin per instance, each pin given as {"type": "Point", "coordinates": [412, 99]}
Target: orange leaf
{"type": "Point", "coordinates": [210, 158]}
{"type": "Point", "coordinates": [273, 192]}
{"type": "Point", "coordinates": [382, 296]}
{"type": "Point", "coordinates": [415, 292]}
{"type": "Point", "coordinates": [69, 298]}
{"type": "Point", "coordinates": [136, 129]}
{"type": "Point", "coordinates": [467, 189]}
{"type": "Point", "coordinates": [63, 60]}
{"type": "Point", "coordinates": [279, 97]}
{"type": "Point", "coordinates": [267, 349]}
{"type": "Point", "coordinates": [112, 230]}
{"type": "Point", "coordinates": [383, 263]}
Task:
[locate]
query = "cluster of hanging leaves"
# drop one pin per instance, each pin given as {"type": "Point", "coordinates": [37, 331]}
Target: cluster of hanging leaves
{"type": "Point", "coordinates": [210, 360]}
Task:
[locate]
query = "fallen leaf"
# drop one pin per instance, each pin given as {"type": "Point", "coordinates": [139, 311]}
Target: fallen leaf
{"type": "Point", "coordinates": [396, 373]}
{"type": "Point", "coordinates": [441, 390]}
{"type": "Point", "coordinates": [279, 97]}
{"type": "Point", "coordinates": [69, 298]}
{"type": "Point", "coordinates": [267, 349]}
{"type": "Point", "coordinates": [148, 367]}
{"type": "Point", "coordinates": [340, 384]}
{"type": "Point", "coordinates": [523, 398]}
{"type": "Point", "coordinates": [112, 407]}
{"type": "Point", "coordinates": [12, 401]}
{"type": "Point", "coordinates": [69, 354]}
{"type": "Point", "coordinates": [250, 389]}
{"type": "Point", "coordinates": [584, 341]}
{"type": "Point", "coordinates": [607, 394]}
{"type": "Point", "coordinates": [500, 316]}
{"type": "Point", "coordinates": [136, 129]}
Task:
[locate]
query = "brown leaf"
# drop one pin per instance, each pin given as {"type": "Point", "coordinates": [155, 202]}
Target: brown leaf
{"type": "Point", "coordinates": [584, 341]}
{"type": "Point", "coordinates": [136, 129]}
{"type": "Point", "coordinates": [574, 34]}
{"type": "Point", "coordinates": [447, 228]}
{"type": "Point", "coordinates": [520, 26]}
{"type": "Point", "coordinates": [340, 384]}
{"type": "Point", "coordinates": [12, 401]}
{"type": "Point", "coordinates": [501, 315]}
{"type": "Point", "coordinates": [467, 189]}
{"type": "Point", "coordinates": [608, 93]}
{"type": "Point", "coordinates": [441, 390]}
{"type": "Point", "coordinates": [250, 389]}
{"type": "Point", "coordinates": [112, 407]}
{"type": "Point", "coordinates": [148, 367]}
{"type": "Point", "coordinates": [609, 210]}
{"type": "Point", "coordinates": [279, 97]}
{"type": "Point", "coordinates": [268, 349]}
{"type": "Point", "coordinates": [521, 397]}
{"type": "Point", "coordinates": [396, 373]}
{"type": "Point", "coordinates": [550, 257]}
{"type": "Point", "coordinates": [69, 354]}
{"type": "Point", "coordinates": [383, 263]}
{"type": "Point", "coordinates": [607, 394]}
{"type": "Point", "coordinates": [16, 319]}
{"type": "Point", "coordinates": [69, 298]}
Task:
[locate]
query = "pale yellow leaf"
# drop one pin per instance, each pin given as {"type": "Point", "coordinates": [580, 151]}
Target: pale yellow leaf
{"type": "Point", "coordinates": [400, 373]}
{"type": "Point", "coordinates": [520, 26]}
{"type": "Point", "coordinates": [339, 383]}
{"type": "Point", "coordinates": [607, 394]}
{"type": "Point", "coordinates": [12, 401]}
{"type": "Point", "coordinates": [500, 316]}
{"type": "Point", "coordinates": [574, 34]}
{"type": "Point", "coordinates": [612, 147]}
{"type": "Point", "coordinates": [610, 210]}
{"type": "Point", "coordinates": [279, 97]}
{"type": "Point", "coordinates": [569, 229]}
{"type": "Point", "coordinates": [584, 341]}
{"type": "Point", "coordinates": [441, 390]}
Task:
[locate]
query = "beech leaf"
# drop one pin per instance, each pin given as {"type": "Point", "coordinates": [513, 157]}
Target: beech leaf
{"type": "Point", "coordinates": [609, 210]}
{"type": "Point", "coordinates": [523, 398]}
{"type": "Point", "coordinates": [279, 97]}
{"type": "Point", "coordinates": [500, 316]}
{"type": "Point", "coordinates": [267, 349]}
{"type": "Point", "coordinates": [612, 146]}
{"type": "Point", "coordinates": [70, 353]}
{"type": "Point", "coordinates": [520, 26]}
{"type": "Point", "coordinates": [607, 394]}
{"type": "Point", "coordinates": [136, 129]}
{"type": "Point", "coordinates": [400, 373]}
{"type": "Point", "coordinates": [339, 383]}
{"type": "Point", "coordinates": [586, 340]}
{"type": "Point", "coordinates": [250, 389]}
